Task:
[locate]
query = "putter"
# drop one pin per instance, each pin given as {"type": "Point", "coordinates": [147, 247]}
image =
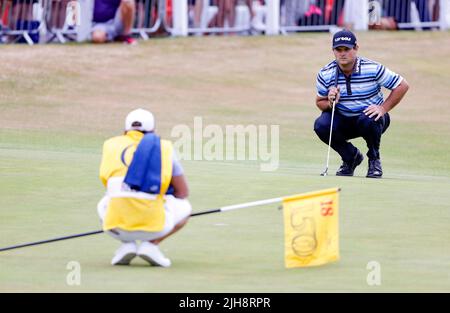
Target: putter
{"type": "Point", "coordinates": [325, 172]}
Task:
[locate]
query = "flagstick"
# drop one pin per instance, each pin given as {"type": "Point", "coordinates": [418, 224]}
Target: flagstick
{"type": "Point", "coordinates": [222, 209]}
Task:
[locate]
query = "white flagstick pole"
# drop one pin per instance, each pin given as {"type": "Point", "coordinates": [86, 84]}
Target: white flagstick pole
{"type": "Point", "coordinates": [222, 209]}
{"type": "Point", "coordinates": [240, 206]}
{"type": "Point", "coordinates": [250, 204]}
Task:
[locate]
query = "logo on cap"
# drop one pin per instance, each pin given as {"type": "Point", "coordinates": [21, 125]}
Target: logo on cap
{"type": "Point", "coordinates": [343, 38]}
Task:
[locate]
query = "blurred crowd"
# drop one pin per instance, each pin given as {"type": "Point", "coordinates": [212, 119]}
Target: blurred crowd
{"type": "Point", "coordinates": [124, 20]}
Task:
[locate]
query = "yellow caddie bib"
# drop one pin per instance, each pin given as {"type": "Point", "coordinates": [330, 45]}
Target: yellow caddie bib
{"type": "Point", "coordinates": [134, 211]}
{"type": "Point", "coordinates": [117, 155]}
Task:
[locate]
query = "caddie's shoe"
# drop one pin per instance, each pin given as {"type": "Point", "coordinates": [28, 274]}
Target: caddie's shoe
{"type": "Point", "coordinates": [375, 170]}
{"type": "Point", "coordinates": [151, 253]}
{"type": "Point", "coordinates": [125, 253]}
{"type": "Point", "coordinates": [347, 169]}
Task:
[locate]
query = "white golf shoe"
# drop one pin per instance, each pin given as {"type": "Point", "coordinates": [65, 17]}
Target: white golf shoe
{"type": "Point", "coordinates": [125, 253]}
{"type": "Point", "coordinates": [151, 253]}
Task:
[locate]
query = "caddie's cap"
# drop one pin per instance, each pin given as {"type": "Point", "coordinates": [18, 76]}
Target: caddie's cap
{"type": "Point", "coordinates": [141, 120]}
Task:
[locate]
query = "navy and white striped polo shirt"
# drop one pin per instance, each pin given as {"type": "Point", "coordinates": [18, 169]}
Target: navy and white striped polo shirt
{"type": "Point", "coordinates": [361, 89]}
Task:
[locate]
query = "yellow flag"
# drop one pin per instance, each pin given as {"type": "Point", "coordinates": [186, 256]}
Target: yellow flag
{"type": "Point", "coordinates": [311, 228]}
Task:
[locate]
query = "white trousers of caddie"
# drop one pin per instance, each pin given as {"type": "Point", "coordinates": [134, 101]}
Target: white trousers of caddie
{"type": "Point", "coordinates": [176, 210]}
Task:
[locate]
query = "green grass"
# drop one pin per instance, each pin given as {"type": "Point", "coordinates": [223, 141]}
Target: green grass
{"type": "Point", "coordinates": [50, 148]}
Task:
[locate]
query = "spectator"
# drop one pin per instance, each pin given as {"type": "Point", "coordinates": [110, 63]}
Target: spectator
{"type": "Point", "coordinates": [336, 14]}
{"type": "Point", "coordinates": [113, 20]}
{"type": "Point", "coordinates": [294, 10]}
{"type": "Point", "coordinates": [355, 16]}
{"type": "Point", "coordinates": [313, 16]}
{"type": "Point", "coordinates": [58, 15]}
{"type": "Point", "coordinates": [4, 4]}
{"type": "Point", "coordinates": [401, 11]}
{"type": "Point", "coordinates": [226, 12]}
{"type": "Point", "coordinates": [21, 18]}
{"type": "Point", "coordinates": [249, 4]}
{"type": "Point", "coordinates": [141, 13]}
{"type": "Point", "coordinates": [197, 8]}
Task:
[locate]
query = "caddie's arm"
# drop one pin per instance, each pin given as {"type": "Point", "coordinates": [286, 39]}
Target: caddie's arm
{"type": "Point", "coordinates": [392, 100]}
{"type": "Point", "coordinates": [179, 184]}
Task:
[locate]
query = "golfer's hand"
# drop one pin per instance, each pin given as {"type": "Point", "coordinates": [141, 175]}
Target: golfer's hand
{"type": "Point", "coordinates": [376, 111]}
{"type": "Point", "coordinates": [333, 93]}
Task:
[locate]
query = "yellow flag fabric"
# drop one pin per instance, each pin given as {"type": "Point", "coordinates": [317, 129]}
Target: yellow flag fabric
{"type": "Point", "coordinates": [311, 227]}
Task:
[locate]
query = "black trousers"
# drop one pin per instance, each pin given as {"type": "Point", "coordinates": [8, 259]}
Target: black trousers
{"type": "Point", "coordinates": [346, 128]}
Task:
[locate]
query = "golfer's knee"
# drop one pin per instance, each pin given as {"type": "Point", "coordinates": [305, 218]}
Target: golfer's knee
{"type": "Point", "coordinates": [98, 36]}
{"type": "Point", "coordinates": [368, 124]}
{"type": "Point", "coordinates": [321, 127]}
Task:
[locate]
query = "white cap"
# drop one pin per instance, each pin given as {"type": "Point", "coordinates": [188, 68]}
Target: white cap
{"type": "Point", "coordinates": [141, 120]}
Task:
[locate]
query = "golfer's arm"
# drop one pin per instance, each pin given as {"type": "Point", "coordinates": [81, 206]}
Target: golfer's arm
{"type": "Point", "coordinates": [396, 96]}
{"type": "Point", "coordinates": [322, 103]}
{"type": "Point", "coordinates": [180, 187]}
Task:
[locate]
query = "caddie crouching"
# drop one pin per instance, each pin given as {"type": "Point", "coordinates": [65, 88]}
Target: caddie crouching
{"type": "Point", "coordinates": [146, 191]}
